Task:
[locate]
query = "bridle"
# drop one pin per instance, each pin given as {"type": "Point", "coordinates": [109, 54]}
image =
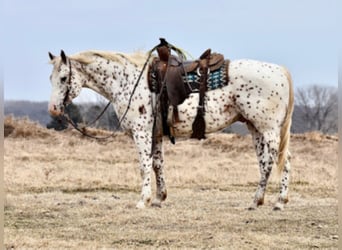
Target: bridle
{"type": "Point", "coordinates": [66, 98]}
{"type": "Point", "coordinates": [83, 130]}
{"type": "Point", "coordinates": [66, 102]}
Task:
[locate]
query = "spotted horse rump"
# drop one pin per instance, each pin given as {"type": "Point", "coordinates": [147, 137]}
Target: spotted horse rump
{"type": "Point", "coordinates": [257, 93]}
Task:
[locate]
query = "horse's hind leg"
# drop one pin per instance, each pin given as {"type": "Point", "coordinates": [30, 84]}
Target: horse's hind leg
{"type": "Point", "coordinates": [266, 147]}
{"type": "Point", "coordinates": [284, 184]}
{"type": "Point", "coordinates": [158, 163]}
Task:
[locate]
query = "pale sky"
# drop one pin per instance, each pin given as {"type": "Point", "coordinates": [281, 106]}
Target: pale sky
{"type": "Point", "coordinates": [299, 34]}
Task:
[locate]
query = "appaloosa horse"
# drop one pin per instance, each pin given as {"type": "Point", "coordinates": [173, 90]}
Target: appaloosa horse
{"type": "Point", "coordinates": [258, 93]}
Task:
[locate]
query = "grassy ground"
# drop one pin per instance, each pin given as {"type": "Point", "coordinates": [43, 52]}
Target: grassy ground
{"type": "Point", "coordinates": [68, 192]}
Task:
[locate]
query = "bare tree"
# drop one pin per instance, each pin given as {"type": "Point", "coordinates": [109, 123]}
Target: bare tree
{"type": "Point", "coordinates": [316, 109]}
{"type": "Point", "coordinates": [108, 120]}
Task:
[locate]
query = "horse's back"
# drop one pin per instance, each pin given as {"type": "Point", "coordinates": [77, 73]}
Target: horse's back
{"type": "Point", "coordinates": [257, 91]}
{"type": "Point", "coordinates": [260, 74]}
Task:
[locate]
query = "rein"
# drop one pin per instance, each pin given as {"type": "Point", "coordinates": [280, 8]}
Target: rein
{"type": "Point", "coordinates": [83, 130]}
{"type": "Point", "coordinates": [66, 97]}
{"type": "Point", "coordinates": [163, 42]}
{"type": "Point", "coordinates": [70, 121]}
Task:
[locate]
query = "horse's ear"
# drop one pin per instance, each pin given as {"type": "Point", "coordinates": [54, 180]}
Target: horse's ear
{"type": "Point", "coordinates": [63, 56]}
{"type": "Point", "coordinates": [51, 56]}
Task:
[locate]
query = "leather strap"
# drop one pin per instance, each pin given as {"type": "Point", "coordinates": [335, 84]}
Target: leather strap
{"type": "Point", "coordinates": [198, 126]}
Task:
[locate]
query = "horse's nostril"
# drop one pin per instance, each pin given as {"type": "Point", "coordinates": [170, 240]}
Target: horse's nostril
{"type": "Point", "coordinates": [54, 107]}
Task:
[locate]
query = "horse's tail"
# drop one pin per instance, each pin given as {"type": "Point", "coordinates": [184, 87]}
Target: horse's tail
{"type": "Point", "coordinates": [286, 126]}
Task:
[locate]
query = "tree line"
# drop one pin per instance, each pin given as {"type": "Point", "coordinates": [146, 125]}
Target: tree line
{"type": "Point", "coordinates": [316, 109]}
{"type": "Point", "coordinates": [85, 114]}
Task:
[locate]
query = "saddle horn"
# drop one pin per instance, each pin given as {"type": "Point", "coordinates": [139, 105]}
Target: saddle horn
{"type": "Point", "coordinates": [163, 42]}
{"type": "Point", "coordinates": [179, 51]}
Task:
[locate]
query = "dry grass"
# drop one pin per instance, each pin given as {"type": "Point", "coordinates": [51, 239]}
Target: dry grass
{"type": "Point", "coordinates": [23, 128]}
{"type": "Point", "coordinates": [65, 191]}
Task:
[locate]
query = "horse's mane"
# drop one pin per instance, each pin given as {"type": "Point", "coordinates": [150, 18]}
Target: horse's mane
{"type": "Point", "coordinates": [87, 57]}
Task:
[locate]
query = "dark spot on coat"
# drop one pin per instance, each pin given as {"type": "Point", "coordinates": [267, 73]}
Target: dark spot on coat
{"type": "Point", "coordinates": [142, 110]}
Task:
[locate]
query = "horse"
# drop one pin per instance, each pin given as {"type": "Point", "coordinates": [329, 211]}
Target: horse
{"type": "Point", "coordinates": [260, 94]}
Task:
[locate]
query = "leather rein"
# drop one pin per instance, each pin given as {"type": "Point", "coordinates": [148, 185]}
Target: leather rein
{"type": "Point", "coordinates": [83, 130]}
{"type": "Point", "coordinates": [66, 116]}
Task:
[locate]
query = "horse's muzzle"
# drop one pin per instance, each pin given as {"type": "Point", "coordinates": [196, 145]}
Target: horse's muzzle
{"type": "Point", "coordinates": [54, 110]}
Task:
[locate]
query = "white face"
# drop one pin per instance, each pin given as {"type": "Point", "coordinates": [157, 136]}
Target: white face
{"type": "Point", "coordinates": [64, 86]}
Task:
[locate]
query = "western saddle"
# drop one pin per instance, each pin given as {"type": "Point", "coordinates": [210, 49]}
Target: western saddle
{"type": "Point", "coordinates": [168, 79]}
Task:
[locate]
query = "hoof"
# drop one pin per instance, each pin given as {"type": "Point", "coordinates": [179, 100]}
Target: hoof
{"type": "Point", "coordinates": [278, 207]}
{"type": "Point", "coordinates": [256, 204]}
{"type": "Point", "coordinates": [156, 203]}
{"type": "Point", "coordinates": [163, 196]}
{"type": "Point", "coordinates": [140, 205]}
{"type": "Point", "coordinates": [252, 207]}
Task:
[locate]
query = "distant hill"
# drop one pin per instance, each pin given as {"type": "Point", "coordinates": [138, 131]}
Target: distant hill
{"type": "Point", "coordinates": [36, 111]}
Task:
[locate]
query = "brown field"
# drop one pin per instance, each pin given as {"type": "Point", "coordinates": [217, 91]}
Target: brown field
{"type": "Point", "coordinates": [68, 192]}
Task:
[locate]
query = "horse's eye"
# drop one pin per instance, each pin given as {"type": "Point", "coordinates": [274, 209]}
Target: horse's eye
{"type": "Point", "coordinates": [63, 79]}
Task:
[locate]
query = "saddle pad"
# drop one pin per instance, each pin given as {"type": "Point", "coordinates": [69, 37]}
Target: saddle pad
{"type": "Point", "coordinates": [216, 79]}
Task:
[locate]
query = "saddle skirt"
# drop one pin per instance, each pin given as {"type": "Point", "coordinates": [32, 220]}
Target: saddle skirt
{"type": "Point", "coordinates": [181, 79]}
{"type": "Point", "coordinates": [216, 79]}
{"type": "Point", "coordinates": [173, 81]}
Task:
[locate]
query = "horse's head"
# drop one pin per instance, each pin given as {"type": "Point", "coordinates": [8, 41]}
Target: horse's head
{"type": "Point", "coordinates": [65, 84]}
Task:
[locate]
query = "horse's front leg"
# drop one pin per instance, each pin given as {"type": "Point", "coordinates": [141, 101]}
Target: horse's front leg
{"type": "Point", "coordinates": [143, 141]}
{"type": "Point", "coordinates": [158, 164]}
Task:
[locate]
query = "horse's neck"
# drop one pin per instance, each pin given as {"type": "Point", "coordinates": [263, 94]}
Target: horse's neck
{"type": "Point", "coordinates": [110, 79]}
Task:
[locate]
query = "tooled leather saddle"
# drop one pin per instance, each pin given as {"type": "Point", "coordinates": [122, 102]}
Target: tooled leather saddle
{"type": "Point", "coordinates": [173, 80]}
